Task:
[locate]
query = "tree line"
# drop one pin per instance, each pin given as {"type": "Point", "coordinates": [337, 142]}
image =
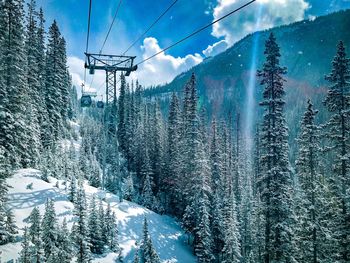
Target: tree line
{"type": "Point", "coordinates": [237, 205]}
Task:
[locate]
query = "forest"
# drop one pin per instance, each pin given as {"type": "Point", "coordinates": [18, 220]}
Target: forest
{"type": "Point", "coordinates": [237, 199]}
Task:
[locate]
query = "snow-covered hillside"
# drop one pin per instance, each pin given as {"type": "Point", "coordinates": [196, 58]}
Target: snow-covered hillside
{"type": "Point", "coordinates": [167, 236]}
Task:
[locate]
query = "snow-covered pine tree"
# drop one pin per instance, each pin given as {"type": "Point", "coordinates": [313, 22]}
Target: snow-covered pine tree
{"type": "Point", "coordinates": [53, 258]}
{"type": "Point", "coordinates": [275, 181]}
{"type": "Point", "coordinates": [173, 157]}
{"type": "Point", "coordinates": [32, 77]}
{"type": "Point", "coordinates": [80, 229]}
{"type": "Point", "coordinates": [41, 63]}
{"type": "Point", "coordinates": [216, 169]}
{"type": "Point", "coordinates": [14, 97]}
{"type": "Point", "coordinates": [147, 251]}
{"type": "Point", "coordinates": [215, 158]}
{"type": "Point", "coordinates": [113, 241]}
{"type": "Point", "coordinates": [314, 233]}
{"type": "Point", "coordinates": [25, 255]}
{"type": "Point", "coordinates": [4, 174]}
{"type": "Point", "coordinates": [95, 230]}
{"type": "Point", "coordinates": [49, 229]}
{"type": "Point", "coordinates": [231, 252]}
{"type": "Point", "coordinates": [147, 192]}
{"type": "Point", "coordinates": [338, 132]}
{"type": "Point", "coordinates": [130, 123]}
{"type": "Point", "coordinates": [136, 257]}
{"type": "Point", "coordinates": [190, 144]}
{"type": "Point", "coordinates": [122, 114]}
{"type": "Point", "coordinates": [257, 233]}
{"type": "Point", "coordinates": [157, 147]}
{"type": "Point", "coordinates": [238, 154]}
{"type": "Point", "coordinates": [54, 81]}
{"type": "Point", "coordinates": [95, 171]}
{"type": "Point", "coordinates": [107, 226]}
{"type": "Point", "coordinates": [203, 236]}
{"type": "Point", "coordinates": [10, 226]}
{"type": "Point", "coordinates": [64, 244]}
{"type": "Point", "coordinates": [66, 84]}
{"type": "Point", "coordinates": [35, 236]}
{"type": "Point", "coordinates": [129, 190]}
{"type": "Point", "coordinates": [256, 161]}
{"type": "Point", "coordinates": [72, 191]}
{"type": "Point", "coordinates": [246, 210]}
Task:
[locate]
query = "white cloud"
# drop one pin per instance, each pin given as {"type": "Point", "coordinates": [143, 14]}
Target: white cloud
{"type": "Point", "coordinates": [216, 48]}
{"type": "Point", "coordinates": [260, 15]}
{"type": "Point", "coordinates": [162, 68]}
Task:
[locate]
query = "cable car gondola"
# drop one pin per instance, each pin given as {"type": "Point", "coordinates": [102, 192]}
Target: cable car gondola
{"type": "Point", "coordinates": [85, 101]}
{"type": "Point", "coordinates": [100, 104]}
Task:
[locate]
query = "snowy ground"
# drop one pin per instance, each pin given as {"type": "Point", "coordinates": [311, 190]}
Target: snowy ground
{"type": "Point", "coordinates": [167, 236]}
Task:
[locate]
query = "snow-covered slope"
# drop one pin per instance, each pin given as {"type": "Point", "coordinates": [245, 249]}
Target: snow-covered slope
{"type": "Point", "coordinates": [167, 236]}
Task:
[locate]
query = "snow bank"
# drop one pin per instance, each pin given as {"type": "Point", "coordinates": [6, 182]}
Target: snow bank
{"type": "Point", "coordinates": [167, 236]}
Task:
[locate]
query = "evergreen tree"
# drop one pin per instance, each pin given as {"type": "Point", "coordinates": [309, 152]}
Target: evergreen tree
{"type": "Point", "coordinates": [314, 231]}
{"type": "Point", "coordinates": [35, 236]}
{"type": "Point", "coordinates": [147, 193]}
{"type": "Point", "coordinates": [129, 190]}
{"type": "Point", "coordinates": [72, 189]}
{"type": "Point", "coordinates": [122, 114]}
{"type": "Point", "coordinates": [94, 225]}
{"type": "Point", "coordinates": [338, 132]}
{"type": "Point", "coordinates": [4, 174]}
{"type": "Point", "coordinates": [231, 251]}
{"type": "Point", "coordinates": [157, 143]}
{"type": "Point", "coordinates": [173, 158]}
{"type": "Point", "coordinates": [53, 81]}
{"type": "Point", "coordinates": [25, 256]}
{"type": "Point", "coordinates": [80, 229]}
{"type": "Point", "coordinates": [275, 181]}
{"type": "Point", "coordinates": [204, 241]}
{"type": "Point", "coordinates": [14, 90]}
{"type": "Point", "coordinates": [34, 230]}
{"type": "Point", "coordinates": [113, 235]}
{"type": "Point", "coordinates": [136, 257]}
{"type": "Point", "coordinates": [246, 210]}
{"type": "Point", "coordinates": [53, 258]}
{"type": "Point", "coordinates": [32, 75]}
{"type": "Point", "coordinates": [49, 229]}
{"type": "Point", "coordinates": [10, 226]}
{"type": "Point", "coordinates": [41, 64]}
{"type": "Point", "coordinates": [107, 225]}
{"type": "Point", "coordinates": [64, 244]}
{"type": "Point", "coordinates": [147, 252]}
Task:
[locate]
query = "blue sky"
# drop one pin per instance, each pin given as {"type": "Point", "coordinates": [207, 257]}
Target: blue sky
{"type": "Point", "coordinates": [136, 15]}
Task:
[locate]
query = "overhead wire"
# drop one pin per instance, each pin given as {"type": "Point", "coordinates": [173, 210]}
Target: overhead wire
{"type": "Point", "coordinates": [150, 27]}
{"type": "Point", "coordinates": [197, 31]}
{"type": "Point", "coordinates": [110, 27]}
{"type": "Point", "coordinates": [87, 40]}
{"type": "Point", "coordinates": [109, 31]}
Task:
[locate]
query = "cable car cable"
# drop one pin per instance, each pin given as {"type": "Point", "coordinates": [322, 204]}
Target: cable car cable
{"type": "Point", "coordinates": [149, 28]}
{"type": "Point", "coordinates": [197, 31]}
{"type": "Point", "coordinates": [87, 39]}
{"type": "Point", "coordinates": [110, 27]}
{"type": "Point", "coordinates": [109, 30]}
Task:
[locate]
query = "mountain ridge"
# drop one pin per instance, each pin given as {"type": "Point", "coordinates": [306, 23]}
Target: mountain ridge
{"type": "Point", "coordinates": [307, 48]}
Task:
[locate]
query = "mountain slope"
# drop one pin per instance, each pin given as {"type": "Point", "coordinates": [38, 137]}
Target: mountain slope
{"type": "Point", "coordinates": [167, 236]}
{"type": "Point", "coordinates": [307, 49]}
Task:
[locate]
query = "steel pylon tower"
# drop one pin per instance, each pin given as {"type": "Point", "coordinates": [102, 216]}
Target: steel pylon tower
{"type": "Point", "coordinates": [111, 64]}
